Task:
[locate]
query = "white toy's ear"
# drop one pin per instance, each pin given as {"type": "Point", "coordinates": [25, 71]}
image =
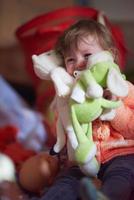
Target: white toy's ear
{"type": "Point", "coordinates": [39, 68]}
{"type": "Point", "coordinates": [45, 63]}
{"type": "Point", "coordinates": [116, 84]}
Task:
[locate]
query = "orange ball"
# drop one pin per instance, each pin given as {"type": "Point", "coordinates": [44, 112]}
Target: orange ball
{"type": "Point", "coordinates": [38, 172]}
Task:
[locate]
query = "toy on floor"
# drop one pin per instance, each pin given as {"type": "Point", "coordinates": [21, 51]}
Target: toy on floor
{"type": "Point", "coordinates": [7, 169]}
{"type": "Point", "coordinates": [38, 172]}
{"type": "Point", "coordinates": [9, 188]}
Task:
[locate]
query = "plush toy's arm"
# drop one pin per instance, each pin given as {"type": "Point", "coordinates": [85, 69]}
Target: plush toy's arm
{"type": "Point", "coordinates": [62, 81]}
{"type": "Point", "coordinates": [93, 89]}
{"type": "Point", "coordinates": [61, 139]}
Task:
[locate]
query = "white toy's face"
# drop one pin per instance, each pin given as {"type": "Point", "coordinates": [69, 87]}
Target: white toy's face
{"type": "Point", "coordinates": [53, 57]}
{"type": "Point", "coordinates": [77, 58]}
{"type": "Point", "coordinates": [45, 63]}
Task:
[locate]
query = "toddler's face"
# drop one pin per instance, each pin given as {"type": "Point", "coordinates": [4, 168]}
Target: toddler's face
{"type": "Point", "coordinates": [77, 59]}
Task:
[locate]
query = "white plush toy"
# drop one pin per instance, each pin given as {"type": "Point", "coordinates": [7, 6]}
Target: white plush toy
{"type": "Point", "coordinates": [7, 168]}
{"type": "Point", "coordinates": [47, 66]}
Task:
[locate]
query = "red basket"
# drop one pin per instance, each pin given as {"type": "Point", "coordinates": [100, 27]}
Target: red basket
{"type": "Point", "coordinates": [40, 34]}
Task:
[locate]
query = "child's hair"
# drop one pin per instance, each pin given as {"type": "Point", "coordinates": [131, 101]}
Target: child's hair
{"type": "Point", "coordinates": [69, 39]}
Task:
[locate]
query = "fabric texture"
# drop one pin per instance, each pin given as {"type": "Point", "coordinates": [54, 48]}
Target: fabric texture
{"type": "Point", "coordinates": [117, 177]}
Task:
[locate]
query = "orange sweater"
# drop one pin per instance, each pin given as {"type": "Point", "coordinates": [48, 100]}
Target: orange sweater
{"type": "Point", "coordinates": [116, 137]}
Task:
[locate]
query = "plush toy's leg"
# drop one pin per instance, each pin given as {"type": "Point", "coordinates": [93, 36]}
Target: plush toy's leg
{"type": "Point", "coordinates": [72, 137]}
{"type": "Point", "coordinates": [92, 166]}
{"type": "Point", "coordinates": [87, 128]}
{"type": "Point", "coordinates": [86, 149]}
{"type": "Point", "coordinates": [61, 139]}
{"type": "Point", "coordinates": [70, 151]}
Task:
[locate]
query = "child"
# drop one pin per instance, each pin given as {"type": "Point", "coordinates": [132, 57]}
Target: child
{"type": "Point", "coordinates": [85, 38]}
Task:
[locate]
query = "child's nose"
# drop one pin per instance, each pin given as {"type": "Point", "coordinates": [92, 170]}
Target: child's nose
{"type": "Point", "coordinates": [81, 64]}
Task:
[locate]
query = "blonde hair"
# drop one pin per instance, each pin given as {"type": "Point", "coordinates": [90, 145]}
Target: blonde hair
{"type": "Point", "coordinates": [69, 39]}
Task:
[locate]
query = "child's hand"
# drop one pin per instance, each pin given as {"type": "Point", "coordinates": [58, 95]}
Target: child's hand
{"type": "Point", "coordinates": [108, 95]}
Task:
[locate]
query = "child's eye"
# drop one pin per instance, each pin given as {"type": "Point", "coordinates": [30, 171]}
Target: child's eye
{"type": "Point", "coordinates": [70, 60]}
{"type": "Point", "coordinates": [86, 56]}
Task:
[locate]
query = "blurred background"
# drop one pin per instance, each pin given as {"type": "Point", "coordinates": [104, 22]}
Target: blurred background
{"type": "Point", "coordinates": [23, 130]}
{"type": "Point", "coordinates": [15, 13]}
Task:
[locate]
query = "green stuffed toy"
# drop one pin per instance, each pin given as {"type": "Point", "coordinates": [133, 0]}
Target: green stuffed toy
{"type": "Point", "coordinates": [82, 116]}
{"type": "Point", "coordinates": [101, 73]}
{"type": "Point", "coordinates": [87, 99]}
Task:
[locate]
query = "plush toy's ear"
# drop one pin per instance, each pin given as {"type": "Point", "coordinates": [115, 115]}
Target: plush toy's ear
{"type": "Point", "coordinates": [45, 63]}
{"type": "Point", "coordinates": [116, 84]}
{"type": "Point", "coordinates": [39, 69]}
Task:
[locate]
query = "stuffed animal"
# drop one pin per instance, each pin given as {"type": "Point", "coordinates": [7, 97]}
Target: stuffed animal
{"type": "Point", "coordinates": [63, 83]}
{"type": "Point", "coordinates": [101, 72]}
{"type": "Point", "coordinates": [71, 113]}
{"type": "Point", "coordinates": [38, 172]}
{"type": "Point", "coordinates": [47, 66]}
{"type": "Point", "coordinates": [7, 169]}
